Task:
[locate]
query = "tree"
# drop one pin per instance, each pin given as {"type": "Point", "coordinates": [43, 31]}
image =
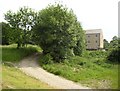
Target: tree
{"type": "Point", "coordinates": [106, 44]}
{"type": "Point", "coordinates": [6, 33]}
{"type": "Point", "coordinates": [114, 42]}
{"type": "Point", "coordinates": [59, 33]}
{"type": "Point", "coordinates": [114, 50]}
{"type": "Point", "coordinates": [114, 55]}
{"type": "Point", "coordinates": [22, 22]}
{"type": "Point", "coordinates": [114, 38]}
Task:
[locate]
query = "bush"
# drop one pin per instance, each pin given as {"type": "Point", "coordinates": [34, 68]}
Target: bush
{"type": "Point", "coordinates": [98, 54]}
{"type": "Point", "coordinates": [114, 55]}
{"type": "Point", "coordinates": [46, 59]}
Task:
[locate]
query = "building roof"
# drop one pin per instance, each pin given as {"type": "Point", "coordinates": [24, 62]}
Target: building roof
{"type": "Point", "coordinates": [91, 31]}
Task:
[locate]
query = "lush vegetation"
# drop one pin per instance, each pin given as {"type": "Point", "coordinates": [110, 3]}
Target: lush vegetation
{"type": "Point", "coordinates": [55, 29]}
{"type": "Point", "coordinates": [113, 43]}
{"type": "Point", "coordinates": [6, 33]}
{"type": "Point", "coordinates": [96, 69]}
{"type": "Point", "coordinates": [61, 37]}
{"type": "Point", "coordinates": [91, 69]}
{"type": "Point", "coordinates": [11, 54]}
{"type": "Point", "coordinates": [12, 78]}
{"type": "Point", "coordinates": [113, 49]}
{"type": "Point", "coordinates": [114, 55]}
{"type": "Point", "coordinates": [59, 33]}
{"type": "Point", "coordinates": [21, 23]}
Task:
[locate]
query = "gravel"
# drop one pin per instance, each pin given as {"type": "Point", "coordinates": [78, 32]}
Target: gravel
{"type": "Point", "coordinates": [29, 66]}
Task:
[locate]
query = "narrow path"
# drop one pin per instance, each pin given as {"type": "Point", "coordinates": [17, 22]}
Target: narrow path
{"type": "Point", "coordinates": [30, 67]}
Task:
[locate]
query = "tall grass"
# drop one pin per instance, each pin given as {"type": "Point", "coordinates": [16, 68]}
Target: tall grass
{"type": "Point", "coordinates": [11, 53]}
{"type": "Point", "coordinates": [91, 70]}
{"type": "Point", "coordinates": [13, 78]}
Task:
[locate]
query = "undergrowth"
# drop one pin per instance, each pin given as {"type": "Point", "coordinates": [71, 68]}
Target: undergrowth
{"type": "Point", "coordinates": [11, 53]}
{"type": "Point", "coordinates": [91, 70]}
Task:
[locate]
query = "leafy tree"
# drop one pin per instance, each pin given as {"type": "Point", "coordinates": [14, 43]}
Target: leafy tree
{"type": "Point", "coordinates": [22, 21]}
{"type": "Point", "coordinates": [58, 32]}
{"type": "Point", "coordinates": [6, 33]}
{"type": "Point", "coordinates": [114, 50]}
{"type": "Point", "coordinates": [106, 44]}
{"type": "Point", "coordinates": [114, 55]}
{"type": "Point", "coordinates": [114, 42]}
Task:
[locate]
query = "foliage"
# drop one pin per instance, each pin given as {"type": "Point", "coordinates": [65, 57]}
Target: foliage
{"type": "Point", "coordinates": [6, 33]}
{"type": "Point", "coordinates": [106, 44]}
{"type": "Point", "coordinates": [98, 54]}
{"type": "Point", "coordinates": [114, 42]}
{"type": "Point", "coordinates": [22, 22]}
{"type": "Point", "coordinates": [10, 53]}
{"type": "Point", "coordinates": [80, 46]}
{"type": "Point", "coordinates": [58, 32]}
{"type": "Point", "coordinates": [114, 50]}
{"type": "Point", "coordinates": [95, 54]}
{"type": "Point", "coordinates": [114, 55]}
{"type": "Point", "coordinates": [5, 37]}
{"type": "Point", "coordinates": [93, 72]}
{"type": "Point", "coordinates": [46, 59]}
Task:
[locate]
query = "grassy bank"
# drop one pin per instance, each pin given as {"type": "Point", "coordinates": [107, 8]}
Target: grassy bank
{"type": "Point", "coordinates": [91, 70]}
{"type": "Point", "coordinates": [11, 53]}
{"type": "Point", "coordinates": [13, 78]}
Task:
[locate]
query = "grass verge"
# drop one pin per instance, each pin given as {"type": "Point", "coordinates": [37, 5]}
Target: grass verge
{"type": "Point", "coordinates": [15, 79]}
{"type": "Point", "coordinates": [11, 53]}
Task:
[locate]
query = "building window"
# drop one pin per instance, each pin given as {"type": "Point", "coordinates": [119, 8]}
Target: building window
{"type": "Point", "coordinates": [88, 41]}
{"type": "Point", "coordinates": [96, 41]}
{"type": "Point", "coordinates": [88, 36]}
{"type": "Point", "coordinates": [96, 35]}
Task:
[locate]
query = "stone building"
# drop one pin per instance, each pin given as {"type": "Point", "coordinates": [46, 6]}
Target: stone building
{"type": "Point", "coordinates": [94, 39]}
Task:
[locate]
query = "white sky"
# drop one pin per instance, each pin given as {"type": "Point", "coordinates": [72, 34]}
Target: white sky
{"type": "Point", "coordinates": [93, 14]}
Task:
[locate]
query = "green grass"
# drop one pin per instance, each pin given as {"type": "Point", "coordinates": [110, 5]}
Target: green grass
{"type": "Point", "coordinates": [11, 53]}
{"type": "Point", "coordinates": [92, 71]}
{"type": "Point", "coordinates": [15, 79]}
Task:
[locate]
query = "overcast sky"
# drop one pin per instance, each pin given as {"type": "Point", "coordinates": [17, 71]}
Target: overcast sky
{"type": "Point", "coordinates": [93, 14]}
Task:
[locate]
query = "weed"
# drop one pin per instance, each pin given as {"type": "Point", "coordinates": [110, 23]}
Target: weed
{"type": "Point", "coordinates": [11, 53]}
{"type": "Point", "coordinates": [87, 69]}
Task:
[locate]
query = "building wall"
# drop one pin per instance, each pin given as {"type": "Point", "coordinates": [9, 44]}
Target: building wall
{"type": "Point", "coordinates": [93, 41]}
{"type": "Point", "coordinates": [101, 41]}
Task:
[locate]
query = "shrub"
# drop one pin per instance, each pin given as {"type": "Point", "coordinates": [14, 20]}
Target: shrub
{"type": "Point", "coordinates": [46, 59]}
{"type": "Point", "coordinates": [114, 55]}
{"type": "Point", "coordinates": [98, 54]}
